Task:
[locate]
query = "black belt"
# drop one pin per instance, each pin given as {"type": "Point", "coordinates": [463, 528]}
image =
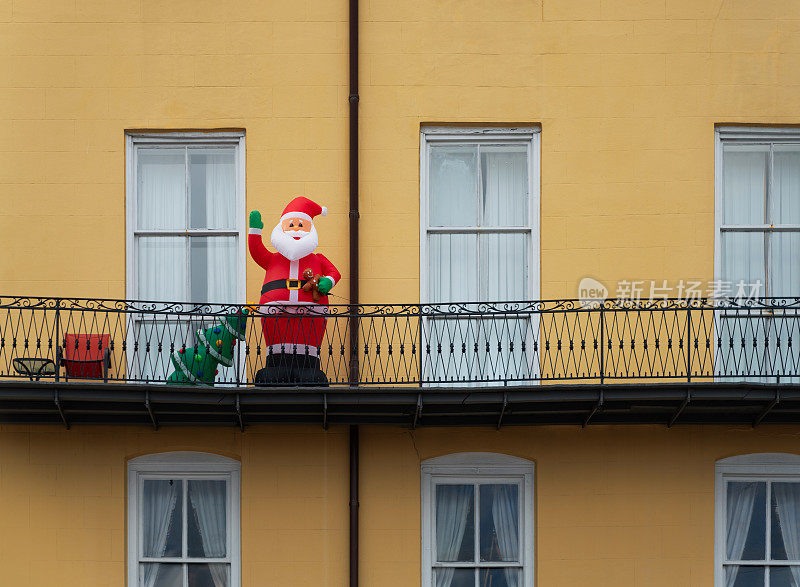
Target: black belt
{"type": "Point", "coordinates": [282, 284]}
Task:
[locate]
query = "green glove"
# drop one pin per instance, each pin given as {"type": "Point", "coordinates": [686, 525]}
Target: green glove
{"type": "Point", "coordinates": [325, 285]}
{"type": "Point", "coordinates": [255, 220]}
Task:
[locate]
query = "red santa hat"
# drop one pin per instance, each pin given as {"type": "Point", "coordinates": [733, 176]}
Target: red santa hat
{"type": "Point", "coordinates": [303, 208]}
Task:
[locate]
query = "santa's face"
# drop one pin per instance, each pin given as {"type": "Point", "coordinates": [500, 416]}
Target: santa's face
{"type": "Point", "coordinates": [295, 237]}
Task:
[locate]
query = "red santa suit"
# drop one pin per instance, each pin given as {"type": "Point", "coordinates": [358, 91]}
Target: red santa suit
{"type": "Point", "coordinates": [298, 324]}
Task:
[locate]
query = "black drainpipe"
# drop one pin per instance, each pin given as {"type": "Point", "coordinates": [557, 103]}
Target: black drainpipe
{"type": "Point", "coordinates": [354, 371]}
{"type": "Point", "coordinates": [353, 506]}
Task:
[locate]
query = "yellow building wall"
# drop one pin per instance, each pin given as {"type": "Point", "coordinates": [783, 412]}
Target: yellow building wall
{"type": "Point", "coordinates": [628, 506]}
{"type": "Point", "coordinates": [627, 95]}
{"type": "Point", "coordinates": [625, 506]}
{"type": "Point", "coordinates": [63, 502]}
{"type": "Point", "coordinates": [75, 75]}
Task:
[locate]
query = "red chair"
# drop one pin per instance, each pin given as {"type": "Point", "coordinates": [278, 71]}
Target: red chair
{"type": "Point", "coordinates": [86, 356]}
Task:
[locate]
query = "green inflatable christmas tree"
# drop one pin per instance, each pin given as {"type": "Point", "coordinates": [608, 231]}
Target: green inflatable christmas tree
{"type": "Point", "coordinates": [198, 364]}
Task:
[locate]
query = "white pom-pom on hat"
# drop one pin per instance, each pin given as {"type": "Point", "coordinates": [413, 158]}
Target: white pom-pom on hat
{"type": "Point", "coordinates": [324, 211]}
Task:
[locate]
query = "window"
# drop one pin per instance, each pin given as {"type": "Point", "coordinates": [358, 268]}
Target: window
{"type": "Point", "coordinates": [183, 520]}
{"type": "Point", "coordinates": [479, 243]}
{"type": "Point", "coordinates": [477, 521]}
{"type": "Point", "coordinates": [758, 234]}
{"type": "Point", "coordinates": [185, 227]}
{"type": "Point", "coordinates": [186, 217]}
{"type": "Point", "coordinates": [758, 521]}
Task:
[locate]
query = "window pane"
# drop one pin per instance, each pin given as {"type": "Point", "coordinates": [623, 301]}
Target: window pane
{"type": "Point", "coordinates": [743, 258]}
{"type": "Point", "coordinates": [212, 177]}
{"type": "Point", "coordinates": [161, 188]}
{"type": "Point", "coordinates": [160, 575]}
{"type": "Point", "coordinates": [455, 524]}
{"type": "Point", "coordinates": [216, 575]}
{"type": "Point", "coordinates": [207, 524]}
{"type": "Point", "coordinates": [162, 268]}
{"type": "Point", "coordinates": [739, 576]}
{"type": "Point", "coordinates": [785, 521]}
{"type": "Point", "coordinates": [454, 577]}
{"type": "Point", "coordinates": [499, 577]}
{"type": "Point", "coordinates": [784, 577]}
{"type": "Point", "coordinates": [214, 269]}
{"type": "Point", "coordinates": [505, 185]}
{"type": "Point", "coordinates": [453, 270]}
{"type": "Point", "coordinates": [454, 186]}
{"type": "Point", "coordinates": [499, 522]}
{"type": "Point", "coordinates": [746, 520]}
{"type": "Point", "coordinates": [785, 265]}
{"type": "Point", "coordinates": [162, 518]}
{"type": "Point", "coordinates": [745, 184]}
{"type": "Point", "coordinates": [786, 184]}
{"type": "Point", "coordinates": [504, 267]}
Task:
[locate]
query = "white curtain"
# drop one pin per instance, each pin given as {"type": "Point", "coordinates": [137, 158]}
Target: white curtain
{"type": "Point", "coordinates": [744, 203]}
{"type": "Point", "coordinates": [161, 188]}
{"type": "Point", "coordinates": [505, 186]}
{"type": "Point", "coordinates": [741, 499]}
{"type": "Point", "coordinates": [162, 268]}
{"type": "Point", "coordinates": [159, 498]}
{"type": "Point", "coordinates": [787, 499]}
{"type": "Point", "coordinates": [484, 186]}
{"type": "Point", "coordinates": [220, 178]}
{"type": "Point", "coordinates": [743, 256]}
{"type": "Point", "coordinates": [221, 269]}
{"type": "Point", "coordinates": [505, 513]}
{"type": "Point", "coordinates": [221, 213]}
{"type": "Point", "coordinates": [453, 186]}
{"type": "Point", "coordinates": [162, 204]}
{"type": "Point", "coordinates": [453, 506]}
{"type": "Point", "coordinates": [208, 499]}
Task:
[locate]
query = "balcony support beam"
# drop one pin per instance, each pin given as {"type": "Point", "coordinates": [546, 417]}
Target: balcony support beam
{"type": "Point", "coordinates": [768, 409]}
{"type": "Point", "coordinates": [239, 417]}
{"type": "Point", "coordinates": [150, 410]}
{"type": "Point", "coordinates": [59, 408]}
{"type": "Point", "coordinates": [503, 410]}
{"type": "Point", "coordinates": [596, 407]}
{"type": "Point", "coordinates": [682, 407]}
{"type": "Point", "coordinates": [417, 412]}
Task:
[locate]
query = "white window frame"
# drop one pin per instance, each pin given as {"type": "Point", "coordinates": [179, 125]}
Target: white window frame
{"type": "Point", "coordinates": [752, 467]}
{"type": "Point", "coordinates": [747, 135]}
{"type": "Point", "coordinates": [184, 465]}
{"type": "Point", "coordinates": [478, 467]}
{"type": "Point", "coordinates": [484, 135]}
{"type": "Point", "coordinates": [187, 139]}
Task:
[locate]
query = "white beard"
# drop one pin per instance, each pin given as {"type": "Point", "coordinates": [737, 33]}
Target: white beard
{"type": "Point", "coordinates": [294, 249]}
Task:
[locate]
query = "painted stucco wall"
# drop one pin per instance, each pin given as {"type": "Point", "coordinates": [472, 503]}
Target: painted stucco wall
{"type": "Point", "coordinates": [627, 95]}
{"type": "Point", "coordinates": [615, 506]}
{"type": "Point", "coordinates": [63, 495]}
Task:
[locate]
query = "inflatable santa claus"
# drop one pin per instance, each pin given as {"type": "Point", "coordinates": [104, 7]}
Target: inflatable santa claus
{"type": "Point", "coordinates": [294, 297]}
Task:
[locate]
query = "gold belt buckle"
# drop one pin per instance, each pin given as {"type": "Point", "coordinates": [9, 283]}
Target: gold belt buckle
{"type": "Point", "coordinates": [289, 283]}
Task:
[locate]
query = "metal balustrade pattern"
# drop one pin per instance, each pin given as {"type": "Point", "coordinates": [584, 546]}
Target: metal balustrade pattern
{"type": "Point", "coordinates": [505, 343]}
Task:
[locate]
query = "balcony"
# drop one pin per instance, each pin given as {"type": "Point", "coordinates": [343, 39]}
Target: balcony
{"type": "Point", "coordinates": [74, 361]}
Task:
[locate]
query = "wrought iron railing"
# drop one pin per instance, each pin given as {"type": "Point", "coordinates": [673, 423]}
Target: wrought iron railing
{"type": "Point", "coordinates": [463, 344]}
